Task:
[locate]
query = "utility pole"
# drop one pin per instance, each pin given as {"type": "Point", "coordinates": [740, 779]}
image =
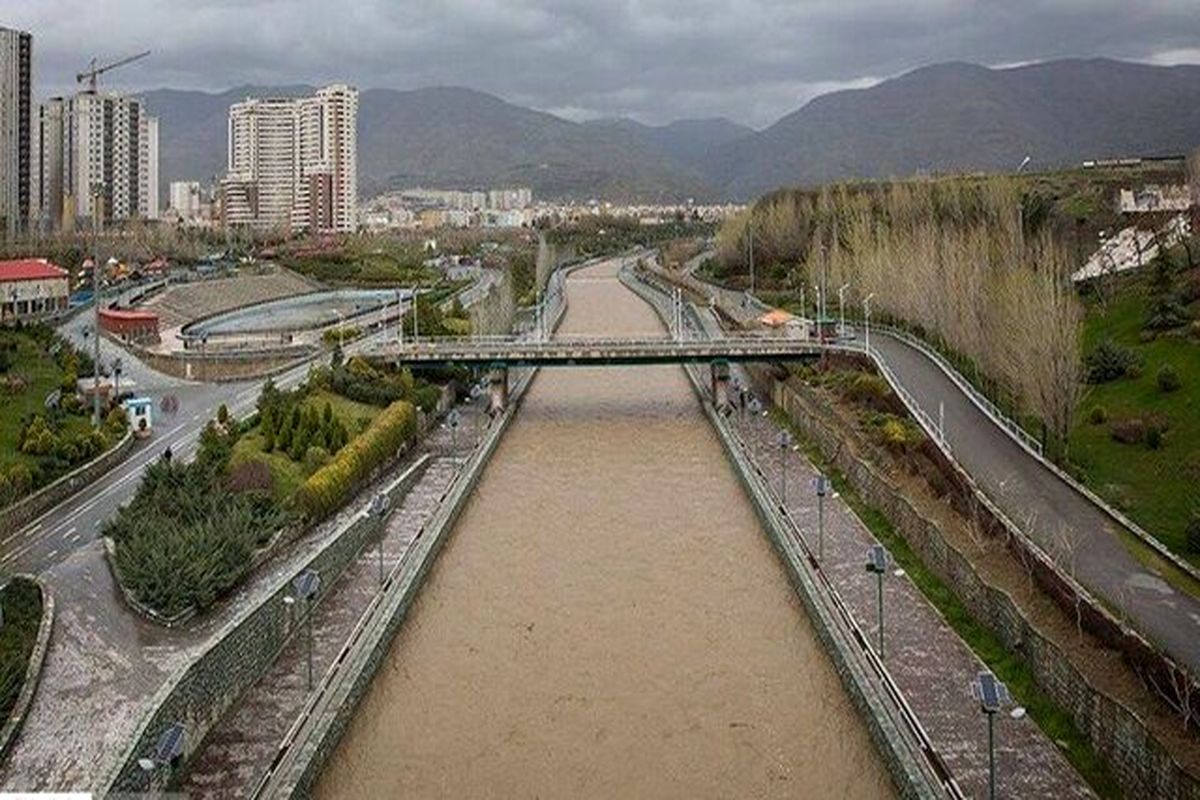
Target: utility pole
{"type": "Point", "coordinates": [97, 196]}
{"type": "Point", "coordinates": [867, 322]}
{"type": "Point", "coordinates": [751, 246]}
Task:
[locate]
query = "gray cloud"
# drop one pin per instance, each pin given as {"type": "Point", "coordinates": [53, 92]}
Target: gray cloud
{"type": "Point", "coordinates": [652, 59]}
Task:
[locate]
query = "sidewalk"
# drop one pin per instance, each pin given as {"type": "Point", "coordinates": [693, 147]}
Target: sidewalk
{"type": "Point", "coordinates": [932, 665]}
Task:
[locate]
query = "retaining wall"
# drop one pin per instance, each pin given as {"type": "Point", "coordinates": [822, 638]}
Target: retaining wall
{"type": "Point", "coordinates": [200, 693]}
{"type": "Point", "coordinates": [24, 511]}
{"type": "Point", "coordinates": [221, 367]}
{"type": "Point", "coordinates": [1140, 763]}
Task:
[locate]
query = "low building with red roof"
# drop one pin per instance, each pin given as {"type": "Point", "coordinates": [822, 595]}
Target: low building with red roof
{"type": "Point", "coordinates": [31, 288]}
{"type": "Point", "coordinates": [130, 325]}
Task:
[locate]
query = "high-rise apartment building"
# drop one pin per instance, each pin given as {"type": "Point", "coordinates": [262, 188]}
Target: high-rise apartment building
{"type": "Point", "coordinates": [97, 161]}
{"type": "Point", "coordinates": [186, 200]}
{"type": "Point", "coordinates": [16, 129]}
{"type": "Point", "coordinates": [293, 163]}
{"type": "Point", "coordinates": [46, 205]}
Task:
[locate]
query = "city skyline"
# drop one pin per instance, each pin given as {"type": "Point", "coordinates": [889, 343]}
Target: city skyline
{"type": "Point", "coordinates": [750, 62]}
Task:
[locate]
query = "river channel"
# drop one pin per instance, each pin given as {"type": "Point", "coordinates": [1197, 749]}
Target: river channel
{"type": "Point", "coordinates": [608, 619]}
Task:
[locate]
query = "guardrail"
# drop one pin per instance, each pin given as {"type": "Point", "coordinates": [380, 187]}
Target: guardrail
{"type": "Point", "coordinates": [1011, 426]}
{"type": "Point", "coordinates": [1034, 448]}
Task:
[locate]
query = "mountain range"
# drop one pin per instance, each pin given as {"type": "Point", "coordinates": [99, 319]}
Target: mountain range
{"type": "Point", "coordinates": [940, 118]}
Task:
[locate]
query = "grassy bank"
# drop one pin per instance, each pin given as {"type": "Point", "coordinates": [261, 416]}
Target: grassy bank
{"type": "Point", "coordinates": [1152, 477]}
{"type": "Point", "coordinates": [43, 438]}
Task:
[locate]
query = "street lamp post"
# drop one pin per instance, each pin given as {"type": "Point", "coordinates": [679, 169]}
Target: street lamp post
{"type": "Point", "coordinates": [842, 311]}
{"type": "Point", "coordinates": [785, 441]}
{"type": "Point", "coordinates": [821, 483]}
{"type": "Point", "coordinates": [377, 510]}
{"type": "Point", "coordinates": [306, 585]}
{"type": "Point", "coordinates": [416, 323]}
{"type": "Point", "coordinates": [877, 562]}
{"type": "Point", "coordinates": [452, 421]}
{"type": "Point", "coordinates": [867, 322]}
{"type": "Point", "coordinates": [992, 696]}
{"type": "Point", "coordinates": [750, 240]}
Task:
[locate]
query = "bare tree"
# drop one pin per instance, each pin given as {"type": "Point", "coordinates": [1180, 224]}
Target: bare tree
{"type": "Point", "coordinates": [1067, 541]}
{"type": "Point", "coordinates": [1178, 694]}
{"type": "Point", "coordinates": [1193, 176]}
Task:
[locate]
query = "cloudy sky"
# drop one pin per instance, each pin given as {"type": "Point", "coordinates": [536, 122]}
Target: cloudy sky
{"type": "Point", "coordinates": [654, 60]}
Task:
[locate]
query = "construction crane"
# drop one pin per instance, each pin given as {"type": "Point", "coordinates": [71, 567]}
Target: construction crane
{"type": "Point", "coordinates": [93, 73]}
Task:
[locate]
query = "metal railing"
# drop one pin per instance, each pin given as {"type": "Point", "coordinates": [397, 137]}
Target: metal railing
{"type": "Point", "coordinates": [1011, 426]}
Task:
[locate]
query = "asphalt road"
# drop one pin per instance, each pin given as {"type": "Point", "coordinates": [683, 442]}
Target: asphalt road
{"type": "Point", "coordinates": [1048, 509]}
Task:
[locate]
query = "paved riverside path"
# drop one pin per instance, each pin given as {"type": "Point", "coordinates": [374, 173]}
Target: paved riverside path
{"type": "Point", "coordinates": [1036, 500]}
{"type": "Point", "coordinates": [240, 748]}
{"type": "Point", "coordinates": [932, 665]}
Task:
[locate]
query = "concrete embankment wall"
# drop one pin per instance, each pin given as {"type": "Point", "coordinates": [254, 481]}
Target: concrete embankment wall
{"type": "Point", "coordinates": [241, 653]}
{"type": "Point", "coordinates": [221, 367]}
{"type": "Point", "coordinates": [1141, 763]}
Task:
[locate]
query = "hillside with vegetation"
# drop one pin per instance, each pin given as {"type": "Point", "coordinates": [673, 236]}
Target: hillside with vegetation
{"type": "Point", "coordinates": [1137, 438]}
{"type": "Point", "coordinates": [1104, 374]}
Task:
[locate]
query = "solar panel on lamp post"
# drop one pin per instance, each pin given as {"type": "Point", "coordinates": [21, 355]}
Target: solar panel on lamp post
{"type": "Point", "coordinates": [877, 562]}
{"type": "Point", "coordinates": [992, 696]}
{"type": "Point", "coordinates": [377, 510]}
{"type": "Point", "coordinates": [306, 585]}
{"type": "Point", "coordinates": [168, 749]}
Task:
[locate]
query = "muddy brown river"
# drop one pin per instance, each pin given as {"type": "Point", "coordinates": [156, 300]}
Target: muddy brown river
{"type": "Point", "coordinates": [608, 619]}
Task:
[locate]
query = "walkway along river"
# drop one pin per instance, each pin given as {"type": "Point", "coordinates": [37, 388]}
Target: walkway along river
{"type": "Point", "coordinates": [608, 618]}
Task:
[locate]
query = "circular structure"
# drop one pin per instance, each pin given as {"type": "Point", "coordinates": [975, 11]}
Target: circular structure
{"type": "Point", "coordinates": [302, 312]}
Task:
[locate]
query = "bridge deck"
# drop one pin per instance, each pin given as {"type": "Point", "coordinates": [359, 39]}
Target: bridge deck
{"type": "Point", "coordinates": [603, 352]}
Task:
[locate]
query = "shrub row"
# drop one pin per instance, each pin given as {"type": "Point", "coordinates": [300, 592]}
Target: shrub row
{"type": "Point", "coordinates": [330, 486]}
{"type": "Point", "coordinates": [186, 538]}
{"type": "Point", "coordinates": [22, 602]}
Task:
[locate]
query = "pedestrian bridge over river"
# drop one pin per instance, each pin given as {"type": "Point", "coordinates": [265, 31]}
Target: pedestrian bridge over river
{"type": "Point", "coordinates": [499, 354]}
{"type": "Point", "coordinates": [593, 351]}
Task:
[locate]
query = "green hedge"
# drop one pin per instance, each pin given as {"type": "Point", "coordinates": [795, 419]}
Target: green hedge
{"type": "Point", "coordinates": [186, 539]}
{"type": "Point", "coordinates": [330, 486]}
{"type": "Point", "coordinates": [22, 602]}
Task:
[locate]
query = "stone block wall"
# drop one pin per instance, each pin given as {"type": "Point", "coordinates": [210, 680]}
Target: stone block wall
{"type": "Point", "coordinates": [200, 694]}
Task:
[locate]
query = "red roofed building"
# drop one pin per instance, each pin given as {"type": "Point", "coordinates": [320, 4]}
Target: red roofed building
{"type": "Point", "coordinates": [31, 288]}
{"type": "Point", "coordinates": [130, 325]}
